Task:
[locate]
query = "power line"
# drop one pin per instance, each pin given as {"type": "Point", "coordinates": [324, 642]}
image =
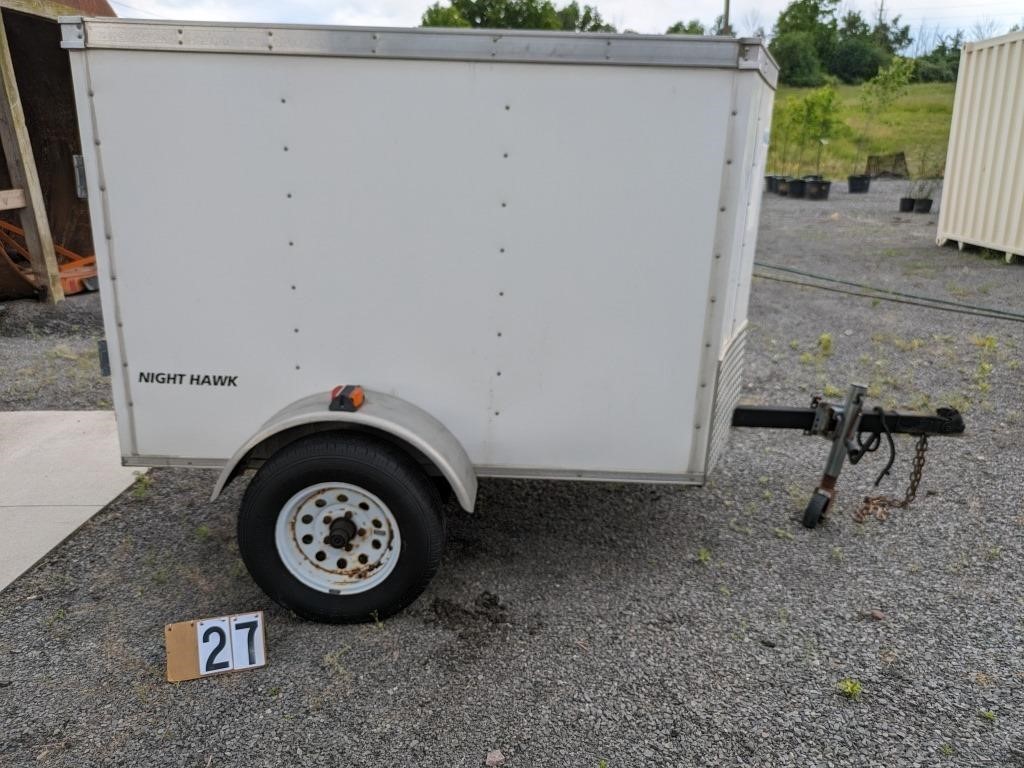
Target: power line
{"type": "Point", "coordinates": [901, 294]}
{"type": "Point", "coordinates": [894, 300]}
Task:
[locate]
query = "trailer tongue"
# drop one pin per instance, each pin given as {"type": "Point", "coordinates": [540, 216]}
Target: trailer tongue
{"type": "Point", "coordinates": [846, 426]}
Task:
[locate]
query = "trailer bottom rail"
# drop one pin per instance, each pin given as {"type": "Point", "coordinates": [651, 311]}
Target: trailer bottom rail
{"type": "Point", "coordinates": [854, 432]}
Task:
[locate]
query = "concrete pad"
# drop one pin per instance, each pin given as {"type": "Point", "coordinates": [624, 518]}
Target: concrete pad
{"type": "Point", "coordinates": [31, 532]}
{"type": "Point", "coordinates": [57, 469]}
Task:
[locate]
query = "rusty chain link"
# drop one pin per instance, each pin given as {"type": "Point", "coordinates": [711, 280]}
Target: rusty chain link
{"type": "Point", "coordinates": [879, 506]}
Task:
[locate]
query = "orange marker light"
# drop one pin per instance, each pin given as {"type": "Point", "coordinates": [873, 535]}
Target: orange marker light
{"type": "Point", "coordinates": [347, 398]}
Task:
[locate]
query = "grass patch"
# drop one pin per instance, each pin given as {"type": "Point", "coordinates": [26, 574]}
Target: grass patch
{"type": "Point", "coordinates": [919, 120]}
{"type": "Point", "coordinates": [849, 688]}
{"type": "Point", "coordinates": [143, 482]}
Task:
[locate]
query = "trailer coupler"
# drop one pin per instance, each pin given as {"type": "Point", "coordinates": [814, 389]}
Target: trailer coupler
{"type": "Point", "coordinates": [854, 432]}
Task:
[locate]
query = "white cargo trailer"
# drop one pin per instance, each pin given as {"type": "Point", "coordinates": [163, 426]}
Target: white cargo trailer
{"type": "Point", "coordinates": [532, 251]}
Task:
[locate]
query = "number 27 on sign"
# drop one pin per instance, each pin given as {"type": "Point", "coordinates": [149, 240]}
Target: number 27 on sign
{"type": "Point", "coordinates": [233, 642]}
{"type": "Point", "coordinates": [212, 646]}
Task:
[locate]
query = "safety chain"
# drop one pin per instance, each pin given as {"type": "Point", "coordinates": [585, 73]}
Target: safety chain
{"type": "Point", "coordinates": [879, 506]}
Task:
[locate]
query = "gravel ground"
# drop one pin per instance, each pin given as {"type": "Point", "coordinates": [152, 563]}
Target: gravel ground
{"type": "Point", "coordinates": [589, 625]}
{"type": "Point", "coordinates": [48, 355]}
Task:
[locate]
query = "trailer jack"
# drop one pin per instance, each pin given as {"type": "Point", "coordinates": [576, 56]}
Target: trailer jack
{"type": "Point", "coordinates": [854, 432]}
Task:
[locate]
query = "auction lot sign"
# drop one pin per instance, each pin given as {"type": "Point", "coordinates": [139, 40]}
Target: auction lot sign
{"type": "Point", "coordinates": [206, 647]}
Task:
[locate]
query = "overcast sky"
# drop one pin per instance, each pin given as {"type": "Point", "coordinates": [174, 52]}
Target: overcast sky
{"type": "Point", "coordinates": [638, 15]}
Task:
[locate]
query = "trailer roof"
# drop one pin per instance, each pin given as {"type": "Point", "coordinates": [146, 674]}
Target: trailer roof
{"type": "Point", "coordinates": [502, 45]}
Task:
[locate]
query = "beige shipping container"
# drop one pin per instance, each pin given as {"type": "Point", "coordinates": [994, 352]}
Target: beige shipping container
{"type": "Point", "coordinates": [983, 193]}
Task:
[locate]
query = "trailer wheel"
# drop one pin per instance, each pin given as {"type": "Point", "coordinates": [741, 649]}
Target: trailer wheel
{"type": "Point", "coordinates": [341, 528]}
{"type": "Point", "coordinates": [816, 508]}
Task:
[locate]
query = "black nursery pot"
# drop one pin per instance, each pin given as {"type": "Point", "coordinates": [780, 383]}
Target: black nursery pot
{"type": "Point", "coordinates": [858, 184]}
{"type": "Point", "coordinates": [813, 177]}
{"type": "Point", "coordinates": [923, 205]}
{"type": "Point", "coordinates": [906, 204]}
{"type": "Point", "coordinates": [797, 187]}
{"type": "Point", "coordinates": [817, 189]}
{"type": "Point", "coordinates": [771, 183]}
{"type": "Point", "coordinates": [782, 185]}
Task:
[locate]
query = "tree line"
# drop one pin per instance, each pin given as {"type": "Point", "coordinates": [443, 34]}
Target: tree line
{"type": "Point", "coordinates": [814, 41]}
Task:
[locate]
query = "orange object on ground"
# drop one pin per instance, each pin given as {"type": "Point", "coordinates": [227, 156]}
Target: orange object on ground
{"type": "Point", "coordinates": [77, 273]}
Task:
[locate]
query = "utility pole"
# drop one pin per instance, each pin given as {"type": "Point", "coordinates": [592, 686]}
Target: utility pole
{"type": "Point", "coordinates": [726, 29]}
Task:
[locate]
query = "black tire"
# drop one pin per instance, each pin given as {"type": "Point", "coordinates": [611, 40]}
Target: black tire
{"type": "Point", "coordinates": [365, 461]}
{"type": "Point", "coordinates": [816, 508]}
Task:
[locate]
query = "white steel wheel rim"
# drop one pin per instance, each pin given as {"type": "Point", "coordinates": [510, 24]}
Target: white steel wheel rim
{"type": "Point", "coordinates": [303, 536]}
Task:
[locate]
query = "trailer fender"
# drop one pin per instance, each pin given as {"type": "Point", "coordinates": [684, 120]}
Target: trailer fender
{"type": "Point", "coordinates": [390, 417]}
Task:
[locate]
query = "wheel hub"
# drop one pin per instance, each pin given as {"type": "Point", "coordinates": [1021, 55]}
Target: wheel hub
{"type": "Point", "coordinates": [337, 538]}
{"type": "Point", "coordinates": [342, 532]}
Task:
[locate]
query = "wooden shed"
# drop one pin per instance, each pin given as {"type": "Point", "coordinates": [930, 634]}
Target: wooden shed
{"type": "Point", "coordinates": [40, 142]}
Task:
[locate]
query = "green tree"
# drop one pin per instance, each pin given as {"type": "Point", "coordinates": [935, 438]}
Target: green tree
{"type": "Point", "coordinates": [785, 127]}
{"type": "Point", "coordinates": [853, 24]}
{"type": "Point", "coordinates": [798, 62]}
{"type": "Point", "coordinates": [943, 62]}
{"type": "Point", "coordinates": [585, 19]}
{"type": "Point", "coordinates": [857, 59]}
{"type": "Point", "coordinates": [818, 116]}
{"type": "Point", "coordinates": [720, 28]}
{"type": "Point", "coordinates": [814, 18]}
{"type": "Point", "coordinates": [880, 92]}
{"type": "Point", "coordinates": [439, 15]}
{"type": "Point", "coordinates": [691, 27]}
{"type": "Point", "coordinates": [889, 35]}
{"type": "Point", "coordinates": [515, 14]}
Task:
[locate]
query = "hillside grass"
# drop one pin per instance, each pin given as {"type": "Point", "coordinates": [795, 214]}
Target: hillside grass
{"type": "Point", "coordinates": [917, 124]}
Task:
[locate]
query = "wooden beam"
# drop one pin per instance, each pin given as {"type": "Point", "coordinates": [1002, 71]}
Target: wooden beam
{"type": "Point", "coordinates": [12, 199]}
{"type": "Point", "coordinates": [46, 8]}
{"type": "Point", "coordinates": [21, 165]}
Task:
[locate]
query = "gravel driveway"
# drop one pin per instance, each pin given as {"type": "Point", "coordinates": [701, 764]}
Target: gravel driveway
{"type": "Point", "coordinates": [594, 624]}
